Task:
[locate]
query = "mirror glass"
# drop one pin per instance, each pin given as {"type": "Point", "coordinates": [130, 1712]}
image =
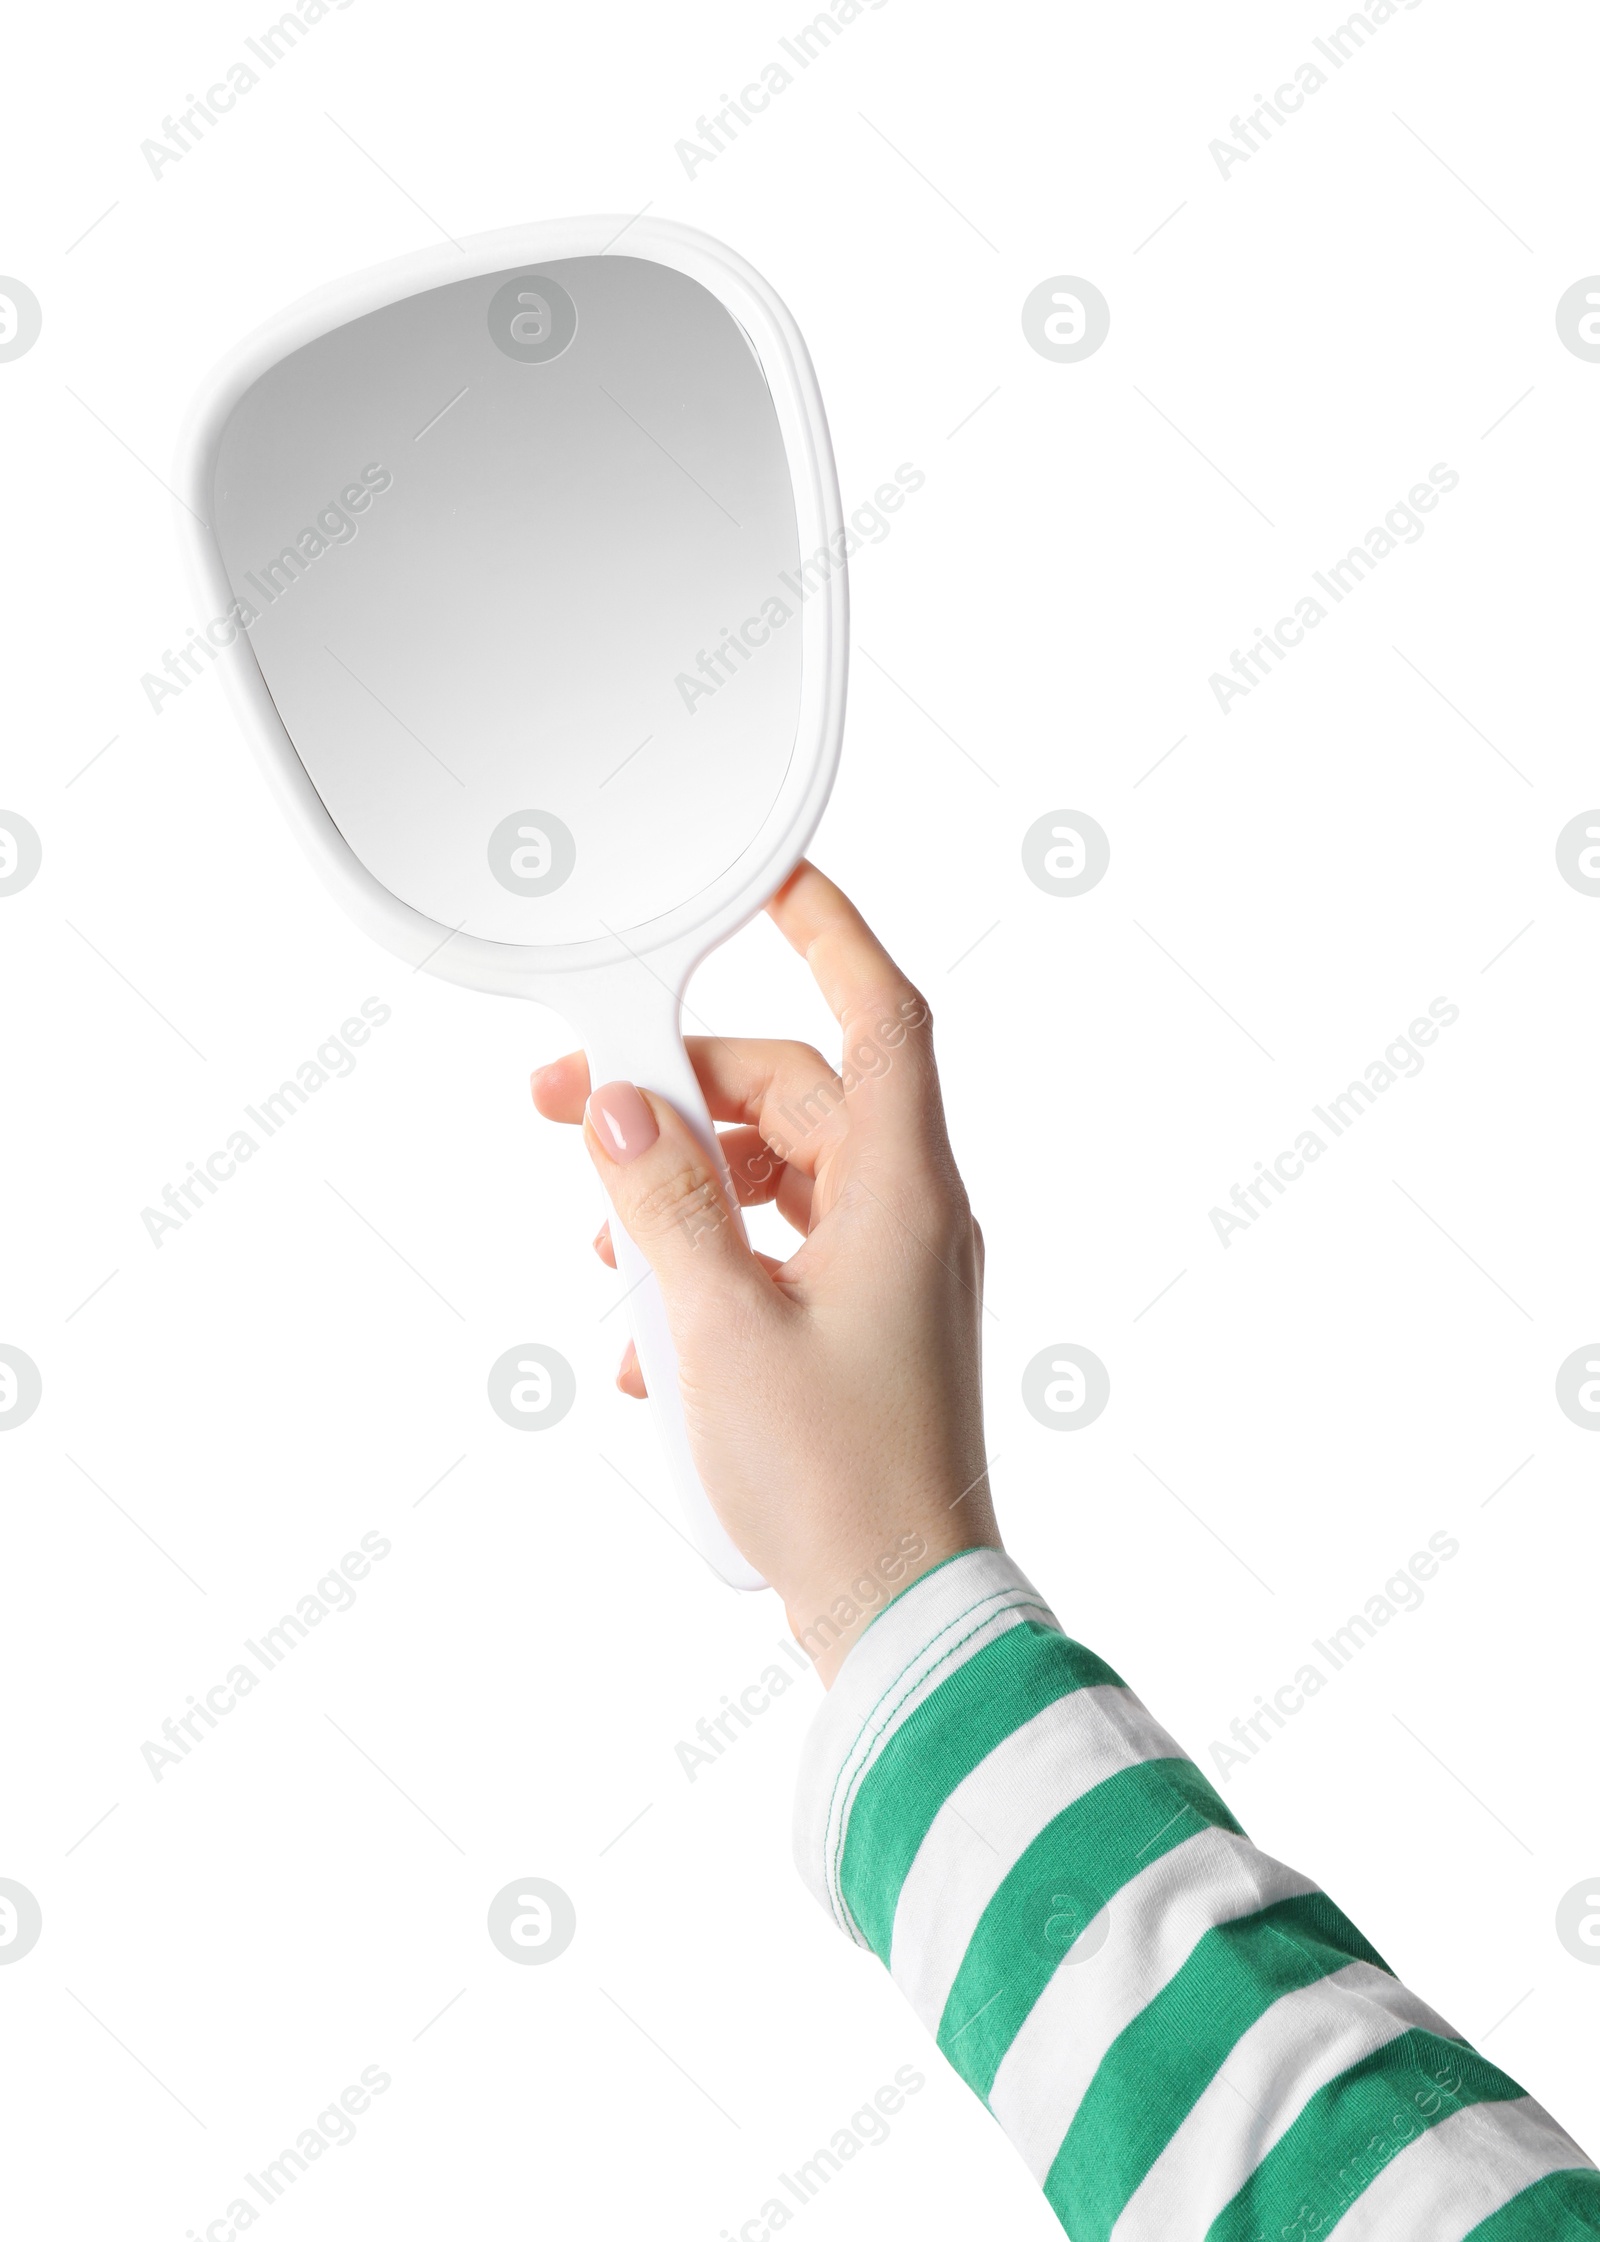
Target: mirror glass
{"type": "Point", "coordinates": [519, 563]}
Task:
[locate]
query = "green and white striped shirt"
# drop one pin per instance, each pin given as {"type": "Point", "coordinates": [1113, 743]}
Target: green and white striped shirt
{"type": "Point", "coordinates": [1183, 2038]}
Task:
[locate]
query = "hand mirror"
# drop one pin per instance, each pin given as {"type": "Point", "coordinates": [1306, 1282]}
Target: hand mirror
{"type": "Point", "coordinates": [531, 561]}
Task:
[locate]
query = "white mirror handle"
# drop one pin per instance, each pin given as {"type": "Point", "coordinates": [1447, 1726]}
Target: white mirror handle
{"type": "Point", "coordinates": [647, 1048]}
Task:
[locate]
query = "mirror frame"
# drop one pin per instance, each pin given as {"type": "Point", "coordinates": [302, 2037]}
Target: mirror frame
{"type": "Point", "coordinates": [687, 932]}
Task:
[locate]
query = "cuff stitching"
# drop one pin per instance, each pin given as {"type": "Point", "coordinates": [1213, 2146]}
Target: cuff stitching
{"type": "Point", "coordinates": [1003, 1600]}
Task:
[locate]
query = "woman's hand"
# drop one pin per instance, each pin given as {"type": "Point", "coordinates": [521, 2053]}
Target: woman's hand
{"type": "Point", "coordinates": [833, 1400]}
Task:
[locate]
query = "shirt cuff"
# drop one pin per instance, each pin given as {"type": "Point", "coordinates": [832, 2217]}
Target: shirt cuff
{"type": "Point", "coordinates": [915, 1644]}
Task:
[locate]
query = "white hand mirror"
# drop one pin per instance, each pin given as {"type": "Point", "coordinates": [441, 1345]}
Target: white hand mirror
{"type": "Point", "coordinates": [534, 557]}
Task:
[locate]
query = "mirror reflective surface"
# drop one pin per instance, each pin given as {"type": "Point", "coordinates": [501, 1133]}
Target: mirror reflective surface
{"type": "Point", "coordinates": [519, 563]}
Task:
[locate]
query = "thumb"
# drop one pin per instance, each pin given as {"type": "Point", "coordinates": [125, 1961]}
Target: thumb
{"type": "Point", "coordinates": [667, 1195]}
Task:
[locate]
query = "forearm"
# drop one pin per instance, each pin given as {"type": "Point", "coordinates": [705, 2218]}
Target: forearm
{"type": "Point", "coordinates": [1181, 2036]}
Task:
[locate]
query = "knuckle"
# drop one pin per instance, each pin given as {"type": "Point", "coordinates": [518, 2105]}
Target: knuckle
{"type": "Point", "coordinates": [888, 1026]}
{"type": "Point", "coordinates": [915, 1009]}
{"type": "Point", "coordinates": [812, 1099]}
{"type": "Point", "coordinates": [948, 1208]}
{"type": "Point", "coordinates": [684, 1197]}
{"type": "Point", "coordinates": [927, 1202]}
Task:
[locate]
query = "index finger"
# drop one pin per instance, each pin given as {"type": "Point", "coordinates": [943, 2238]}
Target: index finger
{"type": "Point", "coordinates": [853, 969]}
{"type": "Point", "coordinates": [888, 1051]}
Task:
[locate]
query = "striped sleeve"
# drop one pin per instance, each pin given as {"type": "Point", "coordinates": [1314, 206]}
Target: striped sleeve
{"type": "Point", "coordinates": [1183, 2038]}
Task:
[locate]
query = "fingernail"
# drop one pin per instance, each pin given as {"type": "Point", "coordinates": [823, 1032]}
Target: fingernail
{"type": "Point", "coordinates": [622, 1121]}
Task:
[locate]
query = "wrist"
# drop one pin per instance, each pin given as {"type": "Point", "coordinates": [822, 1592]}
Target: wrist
{"type": "Point", "coordinates": [829, 1616]}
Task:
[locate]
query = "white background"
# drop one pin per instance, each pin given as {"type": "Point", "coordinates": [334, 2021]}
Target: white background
{"type": "Point", "coordinates": [1299, 878]}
